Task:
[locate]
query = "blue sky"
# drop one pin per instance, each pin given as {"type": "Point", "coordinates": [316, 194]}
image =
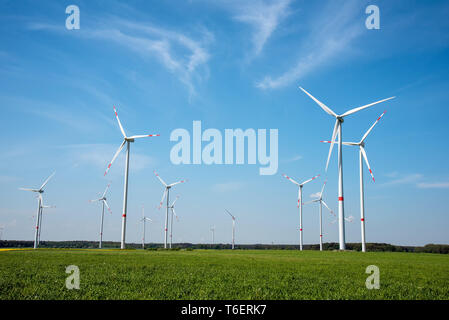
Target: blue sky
{"type": "Point", "coordinates": [229, 64]}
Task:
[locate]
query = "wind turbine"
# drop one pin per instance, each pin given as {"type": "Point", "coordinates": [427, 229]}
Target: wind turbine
{"type": "Point", "coordinates": [362, 154]}
{"type": "Point", "coordinates": [321, 201]}
{"type": "Point", "coordinates": [104, 203]}
{"type": "Point", "coordinates": [39, 205]}
{"type": "Point", "coordinates": [338, 128]}
{"type": "Point", "coordinates": [300, 185]}
{"type": "Point", "coordinates": [144, 220]}
{"type": "Point", "coordinates": [40, 220]}
{"type": "Point", "coordinates": [1, 231]}
{"type": "Point", "coordinates": [173, 213]}
{"type": "Point", "coordinates": [233, 228]}
{"type": "Point", "coordinates": [212, 229]}
{"type": "Point", "coordinates": [126, 140]}
{"type": "Point", "coordinates": [166, 193]}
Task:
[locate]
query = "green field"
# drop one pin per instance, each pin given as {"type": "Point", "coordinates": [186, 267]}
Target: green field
{"type": "Point", "coordinates": [221, 274]}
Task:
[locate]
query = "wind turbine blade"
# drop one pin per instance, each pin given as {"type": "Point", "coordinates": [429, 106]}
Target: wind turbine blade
{"type": "Point", "coordinates": [95, 200]}
{"type": "Point", "coordinates": [106, 204]}
{"type": "Point", "coordinates": [362, 149]}
{"type": "Point", "coordinates": [105, 190]}
{"type": "Point", "coordinates": [347, 113]}
{"type": "Point", "coordinates": [119, 123]}
{"type": "Point", "coordinates": [27, 189]}
{"type": "Point", "coordinates": [299, 197]}
{"type": "Point", "coordinates": [177, 197]}
{"type": "Point", "coordinates": [115, 156]}
{"type": "Point", "coordinates": [349, 219]}
{"type": "Point", "coordinates": [309, 202]}
{"type": "Point", "coordinates": [345, 143]}
{"type": "Point", "coordinates": [290, 179]}
{"type": "Point", "coordinates": [322, 189]}
{"type": "Point", "coordinates": [174, 184]}
{"type": "Point", "coordinates": [369, 130]}
{"type": "Point", "coordinates": [322, 201]}
{"type": "Point", "coordinates": [309, 180]}
{"type": "Point", "coordinates": [144, 136]}
{"type": "Point", "coordinates": [46, 181]}
{"type": "Point", "coordinates": [174, 213]}
{"type": "Point", "coordinates": [230, 214]}
{"type": "Point", "coordinates": [163, 197]}
{"type": "Point", "coordinates": [160, 179]}
{"type": "Point", "coordinates": [322, 105]}
{"type": "Point", "coordinates": [334, 134]}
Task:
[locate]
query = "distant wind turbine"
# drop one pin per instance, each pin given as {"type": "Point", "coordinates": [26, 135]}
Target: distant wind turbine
{"type": "Point", "coordinates": [338, 129]}
{"type": "Point", "coordinates": [173, 213]}
{"type": "Point", "coordinates": [212, 229]}
{"type": "Point", "coordinates": [144, 220]}
{"type": "Point", "coordinates": [300, 185]}
{"type": "Point", "coordinates": [41, 218]}
{"type": "Point", "coordinates": [233, 228]}
{"type": "Point", "coordinates": [39, 207]}
{"type": "Point", "coordinates": [126, 140]}
{"type": "Point", "coordinates": [166, 193]}
{"type": "Point", "coordinates": [104, 203]}
{"type": "Point", "coordinates": [321, 201]}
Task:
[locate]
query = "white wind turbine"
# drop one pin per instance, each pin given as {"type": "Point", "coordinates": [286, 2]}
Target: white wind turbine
{"type": "Point", "coordinates": [212, 229]}
{"type": "Point", "coordinates": [338, 129]}
{"type": "Point", "coordinates": [1, 231]}
{"type": "Point", "coordinates": [233, 228]}
{"type": "Point", "coordinates": [362, 154]}
{"type": "Point", "coordinates": [166, 193]}
{"type": "Point", "coordinates": [104, 203]}
{"type": "Point", "coordinates": [126, 140]}
{"type": "Point", "coordinates": [300, 185]}
{"type": "Point", "coordinates": [321, 201]}
{"type": "Point", "coordinates": [173, 213]}
{"type": "Point", "coordinates": [144, 220]}
{"type": "Point", "coordinates": [39, 207]}
{"type": "Point", "coordinates": [40, 219]}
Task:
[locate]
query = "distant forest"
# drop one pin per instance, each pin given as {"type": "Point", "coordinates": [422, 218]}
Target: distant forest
{"type": "Point", "coordinates": [372, 247]}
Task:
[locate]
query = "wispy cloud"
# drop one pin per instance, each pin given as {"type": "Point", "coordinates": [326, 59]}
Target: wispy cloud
{"type": "Point", "coordinates": [99, 155]}
{"type": "Point", "coordinates": [178, 53]}
{"type": "Point", "coordinates": [294, 159]}
{"type": "Point", "coordinates": [405, 179]}
{"type": "Point", "coordinates": [433, 185]}
{"type": "Point", "coordinates": [414, 179]}
{"type": "Point", "coordinates": [329, 37]}
{"type": "Point", "coordinates": [263, 17]}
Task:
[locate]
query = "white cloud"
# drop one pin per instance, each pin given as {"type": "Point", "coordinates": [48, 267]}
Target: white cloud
{"type": "Point", "coordinates": [405, 179]}
{"type": "Point", "coordinates": [293, 159]}
{"type": "Point", "coordinates": [263, 17]}
{"type": "Point", "coordinates": [433, 185]}
{"type": "Point", "coordinates": [178, 53]}
{"type": "Point", "coordinates": [99, 155]}
{"type": "Point", "coordinates": [329, 38]}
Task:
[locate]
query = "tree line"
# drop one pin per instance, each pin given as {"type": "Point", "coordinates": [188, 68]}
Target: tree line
{"type": "Point", "coordinates": [372, 247]}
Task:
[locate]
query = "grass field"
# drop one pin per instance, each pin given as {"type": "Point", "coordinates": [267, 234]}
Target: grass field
{"type": "Point", "coordinates": [221, 274]}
